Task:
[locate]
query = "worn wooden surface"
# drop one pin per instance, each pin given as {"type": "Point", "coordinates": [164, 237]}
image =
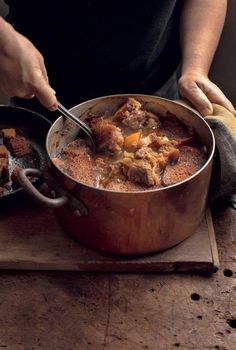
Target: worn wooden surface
{"type": "Point", "coordinates": [32, 238]}
{"type": "Point", "coordinates": [72, 310]}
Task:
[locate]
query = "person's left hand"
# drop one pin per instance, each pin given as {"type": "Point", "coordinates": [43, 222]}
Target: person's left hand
{"type": "Point", "coordinates": [201, 92]}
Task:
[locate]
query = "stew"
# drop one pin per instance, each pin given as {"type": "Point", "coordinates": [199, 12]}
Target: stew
{"type": "Point", "coordinates": [136, 150]}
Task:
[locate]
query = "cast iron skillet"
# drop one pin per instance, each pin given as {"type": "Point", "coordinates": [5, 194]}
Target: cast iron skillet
{"type": "Point", "coordinates": [34, 128]}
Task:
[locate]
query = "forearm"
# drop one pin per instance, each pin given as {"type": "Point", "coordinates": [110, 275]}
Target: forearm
{"type": "Point", "coordinates": [200, 30]}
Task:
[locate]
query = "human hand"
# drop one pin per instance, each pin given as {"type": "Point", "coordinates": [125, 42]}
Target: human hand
{"type": "Point", "coordinates": [22, 70]}
{"type": "Point", "coordinates": [201, 92]}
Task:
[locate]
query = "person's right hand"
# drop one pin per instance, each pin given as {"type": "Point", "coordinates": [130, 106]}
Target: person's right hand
{"type": "Point", "coordinates": [22, 70]}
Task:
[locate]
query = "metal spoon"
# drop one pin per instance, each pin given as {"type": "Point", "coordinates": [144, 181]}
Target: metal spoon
{"type": "Point", "coordinates": [79, 122]}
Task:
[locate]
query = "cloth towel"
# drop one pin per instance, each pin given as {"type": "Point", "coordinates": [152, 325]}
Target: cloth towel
{"type": "Point", "coordinates": [223, 125]}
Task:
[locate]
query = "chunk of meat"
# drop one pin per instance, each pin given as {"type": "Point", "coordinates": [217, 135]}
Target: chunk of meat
{"type": "Point", "coordinates": [159, 151]}
{"type": "Point", "coordinates": [130, 106]}
{"type": "Point", "coordinates": [141, 171]}
{"type": "Point", "coordinates": [140, 120]}
{"type": "Point", "coordinates": [108, 137]}
{"type": "Point", "coordinates": [132, 115]}
{"type": "Point", "coordinates": [190, 161]}
{"type": "Point", "coordinates": [8, 134]}
{"type": "Point", "coordinates": [19, 146]}
{"type": "Point", "coordinates": [144, 152]}
{"type": "Point", "coordinates": [135, 120]}
{"type": "Point", "coordinates": [154, 158]}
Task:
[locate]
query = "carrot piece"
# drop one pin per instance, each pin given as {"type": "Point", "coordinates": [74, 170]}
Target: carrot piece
{"type": "Point", "coordinates": [131, 141]}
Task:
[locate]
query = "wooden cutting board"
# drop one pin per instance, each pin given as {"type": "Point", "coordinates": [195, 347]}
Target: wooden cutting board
{"type": "Point", "coordinates": [31, 238]}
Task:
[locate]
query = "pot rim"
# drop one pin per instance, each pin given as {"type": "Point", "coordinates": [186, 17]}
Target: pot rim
{"type": "Point", "coordinates": [146, 190]}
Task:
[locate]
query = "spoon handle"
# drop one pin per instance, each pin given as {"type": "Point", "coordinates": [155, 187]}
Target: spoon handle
{"type": "Point", "coordinates": [75, 119]}
{"type": "Point", "coordinates": [78, 122]}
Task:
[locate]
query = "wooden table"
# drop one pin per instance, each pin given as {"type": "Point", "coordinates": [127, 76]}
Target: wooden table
{"type": "Point", "coordinates": [71, 310]}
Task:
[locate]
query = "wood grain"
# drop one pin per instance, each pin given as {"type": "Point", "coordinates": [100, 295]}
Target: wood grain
{"type": "Point", "coordinates": [45, 310]}
{"type": "Point", "coordinates": [31, 238]}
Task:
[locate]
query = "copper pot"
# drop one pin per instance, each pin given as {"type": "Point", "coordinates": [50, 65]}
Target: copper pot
{"type": "Point", "coordinates": [126, 222]}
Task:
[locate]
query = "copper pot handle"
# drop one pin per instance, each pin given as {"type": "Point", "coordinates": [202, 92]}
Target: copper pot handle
{"type": "Point", "coordinates": [34, 193]}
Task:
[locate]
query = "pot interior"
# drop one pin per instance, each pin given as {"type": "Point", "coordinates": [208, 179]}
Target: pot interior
{"type": "Point", "coordinates": [64, 131]}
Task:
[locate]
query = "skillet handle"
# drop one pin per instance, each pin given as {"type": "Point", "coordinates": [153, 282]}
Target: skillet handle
{"type": "Point", "coordinates": [34, 193]}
